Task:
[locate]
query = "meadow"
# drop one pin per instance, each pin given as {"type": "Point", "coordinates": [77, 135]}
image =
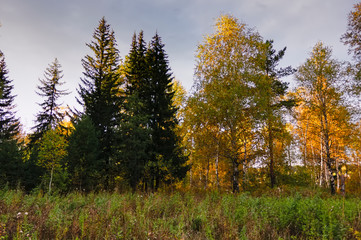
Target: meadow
{"type": "Point", "coordinates": [179, 215]}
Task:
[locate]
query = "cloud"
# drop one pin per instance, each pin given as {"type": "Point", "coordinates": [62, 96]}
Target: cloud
{"type": "Point", "coordinates": [35, 32]}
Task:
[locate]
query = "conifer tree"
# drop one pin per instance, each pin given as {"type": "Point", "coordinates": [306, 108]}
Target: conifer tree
{"type": "Point", "coordinates": [9, 124]}
{"type": "Point", "coordinates": [272, 101]}
{"type": "Point", "coordinates": [50, 115]}
{"type": "Point", "coordinates": [134, 131]}
{"type": "Point", "coordinates": [135, 69]}
{"type": "Point", "coordinates": [100, 92]}
{"type": "Point", "coordinates": [83, 153]}
{"type": "Point", "coordinates": [10, 157]}
{"type": "Point", "coordinates": [48, 118]}
{"type": "Point", "coordinates": [134, 142]}
{"type": "Point", "coordinates": [167, 158]}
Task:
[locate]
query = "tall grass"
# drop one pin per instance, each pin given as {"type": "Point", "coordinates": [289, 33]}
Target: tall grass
{"type": "Point", "coordinates": [179, 215]}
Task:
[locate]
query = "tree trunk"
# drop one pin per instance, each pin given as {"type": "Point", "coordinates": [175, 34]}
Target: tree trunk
{"type": "Point", "coordinates": [328, 154]}
{"type": "Point", "coordinates": [338, 177]}
{"type": "Point", "coordinates": [207, 173]}
{"type": "Point", "coordinates": [270, 148]}
{"type": "Point", "coordinates": [305, 150]}
{"type": "Point", "coordinates": [244, 167]}
{"type": "Point", "coordinates": [51, 179]}
{"type": "Point", "coordinates": [190, 177]}
{"type": "Point", "coordinates": [321, 165]}
{"type": "Point", "coordinates": [327, 174]}
{"type": "Point", "coordinates": [359, 170]}
{"type": "Point", "coordinates": [216, 166]}
{"type": "Point", "coordinates": [235, 176]}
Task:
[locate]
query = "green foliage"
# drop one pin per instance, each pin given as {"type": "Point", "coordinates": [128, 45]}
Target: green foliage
{"type": "Point", "coordinates": [271, 102]}
{"type": "Point", "coordinates": [135, 139]}
{"type": "Point", "coordinates": [52, 151]}
{"type": "Point", "coordinates": [50, 115]}
{"type": "Point", "coordinates": [100, 94]}
{"type": "Point", "coordinates": [227, 70]}
{"type": "Point", "coordinates": [323, 81]}
{"type": "Point", "coordinates": [9, 124]}
{"type": "Point", "coordinates": [168, 161]}
{"type": "Point", "coordinates": [32, 171]}
{"type": "Point", "coordinates": [83, 156]}
{"type": "Point", "coordinates": [150, 117]}
{"type": "Point", "coordinates": [178, 215]}
{"type": "Point", "coordinates": [11, 164]}
{"type": "Point", "coordinates": [133, 143]}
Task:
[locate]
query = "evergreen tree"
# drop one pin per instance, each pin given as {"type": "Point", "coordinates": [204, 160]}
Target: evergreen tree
{"type": "Point", "coordinates": [134, 130]}
{"type": "Point", "coordinates": [11, 169]}
{"type": "Point", "coordinates": [100, 92]}
{"type": "Point", "coordinates": [167, 158]}
{"type": "Point", "coordinates": [272, 101]}
{"type": "Point", "coordinates": [48, 118]}
{"type": "Point", "coordinates": [50, 115]}
{"type": "Point", "coordinates": [134, 142]}
{"type": "Point", "coordinates": [9, 124]}
{"type": "Point", "coordinates": [135, 69]}
{"type": "Point", "coordinates": [83, 153]}
{"type": "Point", "coordinates": [11, 164]}
{"type": "Point", "coordinates": [153, 117]}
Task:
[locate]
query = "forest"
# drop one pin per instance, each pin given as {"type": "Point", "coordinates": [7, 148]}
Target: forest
{"type": "Point", "coordinates": [239, 129]}
{"type": "Point", "coordinates": [240, 156]}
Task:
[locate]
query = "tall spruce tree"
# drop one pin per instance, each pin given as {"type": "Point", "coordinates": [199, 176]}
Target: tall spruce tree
{"type": "Point", "coordinates": [134, 131]}
{"type": "Point", "coordinates": [134, 142]}
{"type": "Point", "coordinates": [100, 93]}
{"type": "Point", "coordinates": [151, 116]}
{"type": "Point", "coordinates": [11, 169]}
{"type": "Point", "coordinates": [167, 158]}
{"type": "Point", "coordinates": [135, 70]}
{"type": "Point", "coordinates": [273, 101]}
{"type": "Point", "coordinates": [50, 115]}
{"type": "Point", "coordinates": [48, 118]}
{"type": "Point", "coordinates": [9, 124]}
{"type": "Point", "coordinates": [83, 153]}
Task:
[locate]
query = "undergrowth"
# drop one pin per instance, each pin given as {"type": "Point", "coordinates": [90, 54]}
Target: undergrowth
{"type": "Point", "coordinates": [178, 215]}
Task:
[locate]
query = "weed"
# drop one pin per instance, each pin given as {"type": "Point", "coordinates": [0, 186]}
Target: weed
{"type": "Point", "coordinates": [177, 215]}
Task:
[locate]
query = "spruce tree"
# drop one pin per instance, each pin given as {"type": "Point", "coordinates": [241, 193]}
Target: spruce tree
{"type": "Point", "coordinates": [9, 124]}
{"type": "Point", "coordinates": [136, 74]}
{"type": "Point", "coordinates": [83, 153]}
{"type": "Point", "coordinates": [48, 118]}
{"type": "Point", "coordinates": [134, 141]}
{"type": "Point", "coordinates": [100, 93]}
{"type": "Point", "coordinates": [11, 167]}
{"type": "Point", "coordinates": [167, 158]}
{"type": "Point", "coordinates": [50, 115]}
{"type": "Point", "coordinates": [273, 101]}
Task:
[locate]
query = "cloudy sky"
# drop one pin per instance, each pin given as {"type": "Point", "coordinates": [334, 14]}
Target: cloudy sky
{"type": "Point", "coordinates": [34, 32]}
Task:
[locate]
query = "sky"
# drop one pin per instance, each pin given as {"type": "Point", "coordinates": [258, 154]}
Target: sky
{"type": "Point", "coordinates": [35, 32]}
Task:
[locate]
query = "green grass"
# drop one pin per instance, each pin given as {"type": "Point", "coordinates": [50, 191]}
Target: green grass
{"type": "Point", "coordinates": [178, 215]}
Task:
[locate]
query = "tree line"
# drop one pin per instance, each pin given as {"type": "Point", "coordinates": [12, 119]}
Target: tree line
{"type": "Point", "coordinates": [125, 135]}
{"type": "Point", "coordinates": [240, 128]}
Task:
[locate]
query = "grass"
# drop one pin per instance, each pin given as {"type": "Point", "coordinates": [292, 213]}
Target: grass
{"type": "Point", "coordinates": [179, 215]}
